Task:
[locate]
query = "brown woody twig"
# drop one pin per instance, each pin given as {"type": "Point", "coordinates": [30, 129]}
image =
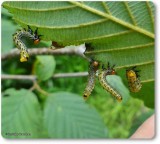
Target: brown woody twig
{"type": "Point", "coordinates": [33, 77]}
{"type": "Point", "coordinates": [69, 50]}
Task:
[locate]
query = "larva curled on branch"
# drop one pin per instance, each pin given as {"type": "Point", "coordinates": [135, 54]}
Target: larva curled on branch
{"type": "Point", "coordinates": [17, 37]}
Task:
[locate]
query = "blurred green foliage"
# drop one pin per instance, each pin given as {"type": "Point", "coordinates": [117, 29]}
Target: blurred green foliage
{"type": "Point", "coordinates": [118, 118]}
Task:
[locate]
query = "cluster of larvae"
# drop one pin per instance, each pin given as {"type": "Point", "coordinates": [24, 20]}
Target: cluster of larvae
{"type": "Point", "coordinates": [131, 74]}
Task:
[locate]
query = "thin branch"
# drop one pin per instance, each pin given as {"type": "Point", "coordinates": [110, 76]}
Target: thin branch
{"type": "Point", "coordinates": [66, 75]}
{"type": "Point", "coordinates": [68, 50]}
{"type": "Point", "coordinates": [38, 88]}
{"type": "Point", "coordinates": [18, 77]}
{"type": "Point", "coordinates": [33, 77]}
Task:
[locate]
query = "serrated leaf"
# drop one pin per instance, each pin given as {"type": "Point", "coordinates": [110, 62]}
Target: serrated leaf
{"type": "Point", "coordinates": [66, 115]}
{"type": "Point", "coordinates": [21, 114]}
{"type": "Point", "coordinates": [119, 32]}
{"type": "Point", "coordinates": [44, 67]}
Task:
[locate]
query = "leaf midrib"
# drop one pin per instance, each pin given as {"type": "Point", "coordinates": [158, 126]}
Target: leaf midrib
{"type": "Point", "coordinates": [64, 27]}
{"type": "Point", "coordinates": [130, 13]}
{"type": "Point", "coordinates": [40, 10]}
{"type": "Point", "coordinates": [114, 19]}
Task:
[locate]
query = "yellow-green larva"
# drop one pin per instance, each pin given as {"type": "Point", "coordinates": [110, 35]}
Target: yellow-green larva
{"type": "Point", "coordinates": [102, 79]}
{"type": "Point", "coordinates": [17, 37]}
{"type": "Point", "coordinates": [93, 67]}
{"type": "Point", "coordinates": [133, 79]}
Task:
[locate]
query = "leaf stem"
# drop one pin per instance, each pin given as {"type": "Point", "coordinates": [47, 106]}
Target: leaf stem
{"type": "Point", "coordinates": [38, 88]}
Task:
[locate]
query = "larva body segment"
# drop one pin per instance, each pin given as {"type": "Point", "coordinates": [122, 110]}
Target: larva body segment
{"type": "Point", "coordinates": [24, 55]}
{"type": "Point", "coordinates": [102, 79]}
{"type": "Point", "coordinates": [133, 79]}
{"type": "Point", "coordinates": [93, 67]}
{"type": "Point", "coordinates": [17, 37]}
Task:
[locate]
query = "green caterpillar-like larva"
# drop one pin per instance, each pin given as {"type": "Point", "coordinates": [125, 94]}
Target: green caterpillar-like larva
{"type": "Point", "coordinates": [102, 79]}
{"type": "Point", "coordinates": [17, 37]}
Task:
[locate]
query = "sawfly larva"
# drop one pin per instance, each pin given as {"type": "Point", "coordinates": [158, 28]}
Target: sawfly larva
{"type": "Point", "coordinates": [102, 79]}
{"type": "Point", "coordinates": [133, 79]}
{"type": "Point", "coordinates": [17, 37]}
{"type": "Point", "coordinates": [93, 67]}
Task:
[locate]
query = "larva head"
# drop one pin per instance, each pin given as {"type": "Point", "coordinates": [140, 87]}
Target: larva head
{"type": "Point", "coordinates": [24, 56]}
{"type": "Point", "coordinates": [95, 63]}
{"type": "Point", "coordinates": [130, 74]}
{"type": "Point", "coordinates": [113, 72]}
{"type": "Point", "coordinates": [36, 37]}
{"type": "Point", "coordinates": [36, 41]}
{"type": "Point", "coordinates": [110, 70]}
{"type": "Point", "coordinates": [85, 96]}
{"type": "Point", "coordinates": [119, 98]}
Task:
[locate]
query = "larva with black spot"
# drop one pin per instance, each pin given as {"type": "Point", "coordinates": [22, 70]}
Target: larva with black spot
{"type": "Point", "coordinates": [93, 67]}
{"type": "Point", "coordinates": [102, 79]}
{"type": "Point", "coordinates": [17, 37]}
{"type": "Point", "coordinates": [133, 79]}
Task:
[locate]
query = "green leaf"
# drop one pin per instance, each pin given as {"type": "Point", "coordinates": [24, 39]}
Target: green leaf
{"type": "Point", "coordinates": [117, 84]}
{"type": "Point", "coordinates": [147, 91]}
{"type": "Point", "coordinates": [66, 115]}
{"type": "Point", "coordinates": [145, 94]}
{"type": "Point", "coordinates": [44, 67]}
{"type": "Point", "coordinates": [75, 21]}
{"type": "Point", "coordinates": [21, 114]}
{"type": "Point", "coordinates": [7, 30]}
{"type": "Point", "coordinates": [119, 32]}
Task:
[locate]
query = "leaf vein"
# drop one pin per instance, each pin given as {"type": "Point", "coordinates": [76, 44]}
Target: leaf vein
{"type": "Point", "coordinates": [138, 64]}
{"type": "Point", "coordinates": [106, 7]}
{"type": "Point", "coordinates": [148, 80]}
{"type": "Point", "coordinates": [130, 13]}
{"type": "Point", "coordinates": [150, 13]}
{"type": "Point", "coordinates": [114, 19]}
{"type": "Point", "coordinates": [40, 10]}
{"type": "Point", "coordinates": [101, 37]}
{"type": "Point", "coordinates": [65, 27]}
